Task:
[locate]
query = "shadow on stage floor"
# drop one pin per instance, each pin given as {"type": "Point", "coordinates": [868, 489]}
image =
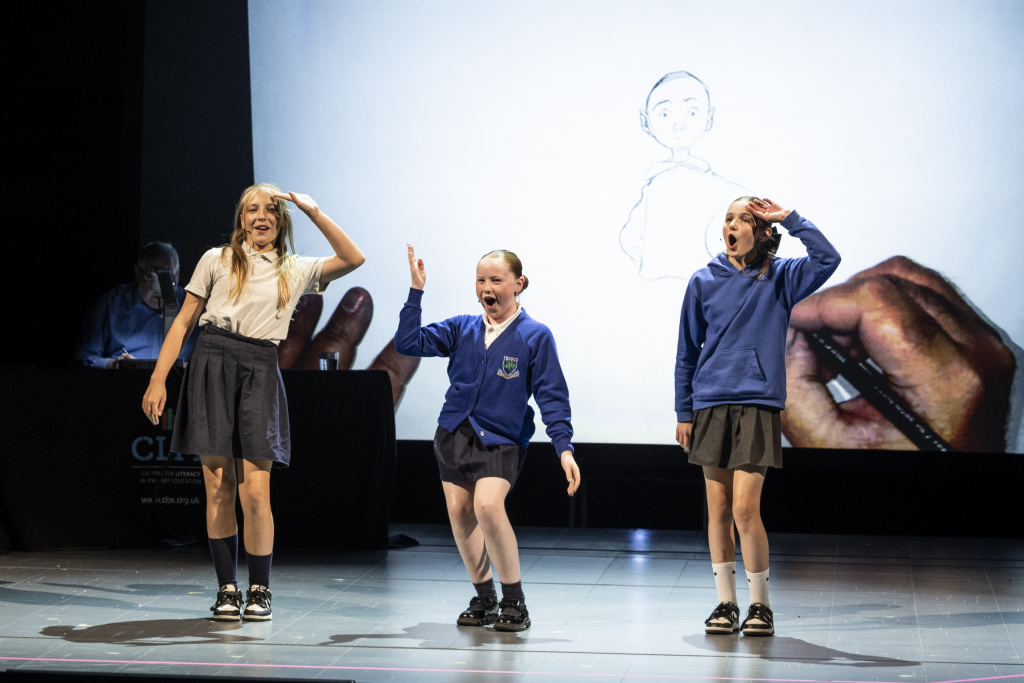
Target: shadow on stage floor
{"type": "Point", "coordinates": [606, 605]}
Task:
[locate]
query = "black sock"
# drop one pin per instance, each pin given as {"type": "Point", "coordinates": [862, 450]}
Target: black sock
{"type": "Point", "coordinates": [513, 591]}
{"type": "Point", "coordinates": [485, 589]}
{"type": "Point", "coordinates": [225, 559]}
{"type": "Point", "coordinates": [259, 569]}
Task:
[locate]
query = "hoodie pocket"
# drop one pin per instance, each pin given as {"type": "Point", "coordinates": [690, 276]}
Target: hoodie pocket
{"type": "Point", "coordinates": [731, 372]}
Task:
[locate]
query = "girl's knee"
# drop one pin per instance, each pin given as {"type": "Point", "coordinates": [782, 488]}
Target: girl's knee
{"type": "Point", "coordinates": [460, 510]}
{"type": "Point", "coordinates": [255, 502]}
{"type": "Point", "coordinates": [747, 516]}
{"type": "Point", "coordinates": [720, 510]}
{"type": "Point", "coordinates": [490, 511]}
{"type": "Point", "coordinates": [220, 496]}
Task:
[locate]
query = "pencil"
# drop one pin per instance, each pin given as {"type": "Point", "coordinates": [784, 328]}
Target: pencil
{"type": "Point", "coordinates": [877, 391]}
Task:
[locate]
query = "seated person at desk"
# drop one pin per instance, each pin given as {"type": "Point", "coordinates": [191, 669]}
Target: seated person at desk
{"type": "Point", "coordinates": [127, 321]}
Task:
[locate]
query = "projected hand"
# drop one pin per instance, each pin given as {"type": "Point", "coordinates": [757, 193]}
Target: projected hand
{"type": "Point", "coordinates": [416, 269]}
{"type": "Point", "coordinates": [342, 333]}
{"type": "Point", "coordinates": [946, 362]}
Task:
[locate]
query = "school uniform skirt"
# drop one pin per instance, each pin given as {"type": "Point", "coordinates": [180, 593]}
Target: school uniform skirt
{"type": "Point", "coordinates": [462, 457]}
{"type": "Point", "coordinates": [232, 400]}
{"type": "Point", "coordinates": [732, 435]}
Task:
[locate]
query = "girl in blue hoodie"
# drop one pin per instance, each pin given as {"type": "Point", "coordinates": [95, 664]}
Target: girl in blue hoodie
{"type": "Point", "coordinates": [731, 386]}
{"type": "Point", "coordinates": [496, 361]}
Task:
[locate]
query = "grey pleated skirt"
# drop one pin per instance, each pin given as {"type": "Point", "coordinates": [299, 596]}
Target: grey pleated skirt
{"type": "Point", "coordinates": [731, 435]}
{"type": "Point", "coordinates": [462, 457]}
{"type": "Point", "coordinates": [232, 400]}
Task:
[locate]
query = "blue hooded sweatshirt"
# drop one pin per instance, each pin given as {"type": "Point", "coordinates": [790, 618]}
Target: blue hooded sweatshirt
{"type": "Point", "coordinates": [732, 330]}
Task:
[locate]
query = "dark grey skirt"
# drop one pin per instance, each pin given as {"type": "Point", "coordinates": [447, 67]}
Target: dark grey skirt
{"type": "Point", "coordinates": [232, 400]}
{"type": "Point", "coordinates": [729, 436]}
{"type": "Point", "coordinates": [462, 457]}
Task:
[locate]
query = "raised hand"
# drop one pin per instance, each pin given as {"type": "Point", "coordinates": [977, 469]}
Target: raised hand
{"type": "Point", "coordinates": [937, 353]}
{"type": "Point", "coordinates": [302, 201]}
{"type": "Point", "coordinates": [768, 210]}
{"type": "Point", "coordinates": [416, 269]}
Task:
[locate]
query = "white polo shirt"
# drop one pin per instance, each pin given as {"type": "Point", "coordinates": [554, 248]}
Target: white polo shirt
{"type": "Point", "coordinates": [256, 313]}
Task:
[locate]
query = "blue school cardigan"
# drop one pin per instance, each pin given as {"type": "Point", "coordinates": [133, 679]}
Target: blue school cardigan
{"type": "Point", "coordinates": [491, 387]}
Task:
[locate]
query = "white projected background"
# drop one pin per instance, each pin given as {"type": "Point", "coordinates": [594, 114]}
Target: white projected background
{"type": "Point", "coordinates": [462, 127]}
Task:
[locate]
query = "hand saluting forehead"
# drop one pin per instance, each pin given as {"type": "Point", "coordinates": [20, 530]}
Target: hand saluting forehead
{"type": "Point", "coordinates": [306, 203]}
{"type": "Point", "coordinates": [768, 210]}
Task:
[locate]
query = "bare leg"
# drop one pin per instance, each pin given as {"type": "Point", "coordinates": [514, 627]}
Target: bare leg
{"type": "Point", "coordinates": [500, 539]}
{"type": "Point", "coordinates": [219, 478]}
{"type": "Point", "coordinates": [469, 537]}
{"type": "Point", "coordinates": [721, 540]}
{"type": "Point", "coordinates": [746, 510]}
{"type": "Point", "coordinates": [254, 492]}
{"type": "Point", "coordinates": [747, 483]}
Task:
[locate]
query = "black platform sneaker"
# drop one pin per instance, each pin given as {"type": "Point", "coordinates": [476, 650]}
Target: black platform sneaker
{"type": "Point", "coordinates": [759, 621]}
{"type": "Point", "coordinates": [481, 612]}
{"type": "Point", "coordinates": [257, 604]}
{"type": "Point", "coordinates": [228, 606]}
{"type": "Point", "coordinates": [725, 619]}
{"type": "Point", "coordinates": [513, 617]}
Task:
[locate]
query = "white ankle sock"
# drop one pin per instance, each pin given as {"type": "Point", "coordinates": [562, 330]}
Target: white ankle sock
{"type": "Point", "coordinates": [725, 581]}
{"type": "Point", "coordinates": [758, 587]}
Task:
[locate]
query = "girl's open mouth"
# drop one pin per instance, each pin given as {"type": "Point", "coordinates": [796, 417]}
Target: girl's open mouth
{"type": "Point", "coordinates": [490, 300]}
{"type": "Point", "coordinates": [732, 240]}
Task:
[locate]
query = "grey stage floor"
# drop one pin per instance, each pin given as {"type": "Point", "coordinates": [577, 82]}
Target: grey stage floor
{"type": "Point", "coordinates": [607, 605]}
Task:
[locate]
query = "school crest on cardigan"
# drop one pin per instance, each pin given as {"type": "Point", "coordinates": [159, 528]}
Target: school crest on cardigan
{"type": "Point", "coordinates": [509, 368]}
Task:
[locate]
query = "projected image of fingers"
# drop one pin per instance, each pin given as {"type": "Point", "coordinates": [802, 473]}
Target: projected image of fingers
{"type": "Point", "coordinates": [896, 358]}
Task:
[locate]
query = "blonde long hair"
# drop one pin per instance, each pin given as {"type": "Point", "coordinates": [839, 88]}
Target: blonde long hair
{"type": "Point", "coordinates": [239, 259]}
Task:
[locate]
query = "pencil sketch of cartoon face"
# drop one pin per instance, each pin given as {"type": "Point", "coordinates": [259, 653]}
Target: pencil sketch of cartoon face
{"type": "Point", "coordinates": [678, 112]}
{"type": "Point", "coordinates": [674, 228]}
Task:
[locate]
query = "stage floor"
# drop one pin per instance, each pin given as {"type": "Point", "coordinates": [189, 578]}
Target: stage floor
{"type": "Point", "coordinates": [606, 605]}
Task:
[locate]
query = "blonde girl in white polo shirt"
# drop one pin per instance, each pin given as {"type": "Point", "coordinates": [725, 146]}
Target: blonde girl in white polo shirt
{"type": "Point", "coordinates": [232, 410]}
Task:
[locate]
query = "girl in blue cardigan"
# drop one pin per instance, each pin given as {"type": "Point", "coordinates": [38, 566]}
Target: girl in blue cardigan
{"type": "Point", "coordinates": [496, 362]}
{"type": "Point", "coordinates": [731, 386]}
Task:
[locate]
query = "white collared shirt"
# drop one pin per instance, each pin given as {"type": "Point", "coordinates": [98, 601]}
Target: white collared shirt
{"type": "Point", "coordinates": [256, 313]}
{"type": "Point", "coordinates": [492, 330]}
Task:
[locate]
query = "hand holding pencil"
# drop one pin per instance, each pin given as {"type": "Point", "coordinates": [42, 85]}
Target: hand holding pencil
{"type": "Point", "coordinates": [937, 356]}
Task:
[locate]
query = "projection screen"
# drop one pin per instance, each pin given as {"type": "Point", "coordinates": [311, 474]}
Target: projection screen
{"type": "Point", "coordinates": [465, 126]}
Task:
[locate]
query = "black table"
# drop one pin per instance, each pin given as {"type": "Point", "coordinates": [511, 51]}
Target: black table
{"type": "Point", "coordinates": [82, 467]}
